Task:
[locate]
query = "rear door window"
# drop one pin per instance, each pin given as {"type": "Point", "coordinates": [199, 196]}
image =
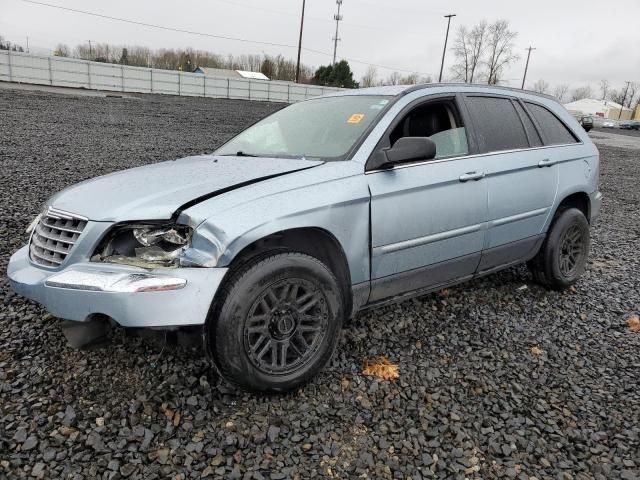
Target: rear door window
{"type": "Point", "coordinates": [554, 131]}
{"type": "Point", "coordinates": [497, 124]}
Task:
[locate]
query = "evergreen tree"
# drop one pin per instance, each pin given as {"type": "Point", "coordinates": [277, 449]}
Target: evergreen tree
{"type": "Point", "coordinates": [268, 68]}
{"type": "Point", "coordinates": [338, 75]}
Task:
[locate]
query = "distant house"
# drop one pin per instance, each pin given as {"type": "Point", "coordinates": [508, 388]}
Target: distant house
{"type": "Point", "coordinates": [224, 73]}
{"type": "Point", "coordinates": [599, 109]}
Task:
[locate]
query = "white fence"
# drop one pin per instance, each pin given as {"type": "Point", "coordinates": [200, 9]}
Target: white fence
{"type": "Point", "coordinates": [70, 72]}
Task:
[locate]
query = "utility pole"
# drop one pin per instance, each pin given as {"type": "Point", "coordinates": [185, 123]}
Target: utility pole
{"type": "Point", "coordinates": [27, 44]}
{"type": "Point", "coordinates": [300, 44]}
{"type": "Point", "coordinates": [90, 51]}
{"type": "Point", "coordinates": [446, 38]}
{"type": "Point", "coordinates": [337, 17]}
{"type": "Point", "coordinates": [526, 67]}
{"type": "Point", "coordinates": [626, 90]}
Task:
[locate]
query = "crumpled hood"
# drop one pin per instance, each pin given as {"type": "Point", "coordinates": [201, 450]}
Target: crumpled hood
{"type": "Point", "coordinates": [155, 192]}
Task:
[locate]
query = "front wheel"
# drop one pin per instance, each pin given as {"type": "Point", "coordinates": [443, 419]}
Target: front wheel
{"type": "Point", "coordinates": [563, 256]}
{"type": "Point", "coordinates": [277, 323]}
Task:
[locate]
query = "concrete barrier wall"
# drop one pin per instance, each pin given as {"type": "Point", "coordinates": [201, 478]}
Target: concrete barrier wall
{"type": "Point", "coordinates": [70, 72]}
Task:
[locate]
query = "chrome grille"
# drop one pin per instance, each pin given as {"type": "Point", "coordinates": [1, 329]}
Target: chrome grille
{"type": "Point", "coordinates": [54, 236]}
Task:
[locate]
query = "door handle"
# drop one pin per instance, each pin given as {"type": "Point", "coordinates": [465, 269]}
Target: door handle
{"type": "Point", "coordinates": [471, 176]}
{"type": "Point", "coordinates": [545, 163]}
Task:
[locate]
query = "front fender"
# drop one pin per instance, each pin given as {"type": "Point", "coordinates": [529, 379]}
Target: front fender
{"type": "Point", "coordinates": [338, 206]}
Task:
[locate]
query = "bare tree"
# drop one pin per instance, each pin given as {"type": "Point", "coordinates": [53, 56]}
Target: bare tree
{"type": "Point", "coordinates": [61, 50]}
{"type": "Point", "coordinates": [462, 52]}
{"type": "Point", "coordinates": [268, 67]}
{"type": "Point", "coordinates": [201, 58]}
{"type": "Point", "coordinates": [478, 39]}
{"type": "Point", "coordinates": [561, 91]}
{"type": "Point", "coordinates": [636, 105]}
{"type": "Point", "coordinates": [286, 70]}
{"type": "Point", "coordinates": [617, 96]}
{"type": "Point", "coordinates": [139, 56]}
{"type": "Point", "coordinates": [393, 79]}
{"type": "Point", "coordinates": [411, 79]}
{"type": "Point", "coordinates": [500, 43]}
{"type": "Point", "coordinates": [581, 92]}
{"type": "Point", "coordinates": [469, 47]}
{"type": "Point", "coordinates": [369, 78]}
{"type": "Point", "coordinates": [634, 101]}
{"type": "Point", "coordinates": [188, 59]}
{"type": "Point", "coordinates": [604, 88]}
{"type": "Point", "coordinates": [631, 94]}
{"type": "Point", "coordinates": [82, 52]}
{"type": "Point", "coordinates": [102, 52]}
{"type": "Point", "coordinates": [541, 86]}
{"type": "Point", "coordinates": [247, 62]}
{"type": "Point", "coordinates": [7, 45]}
{"type": "Point", "coordinates": [626, 96]}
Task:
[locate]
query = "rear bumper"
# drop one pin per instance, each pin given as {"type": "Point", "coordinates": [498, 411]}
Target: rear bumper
{"type": "Point", "coordinates": [131, 296]}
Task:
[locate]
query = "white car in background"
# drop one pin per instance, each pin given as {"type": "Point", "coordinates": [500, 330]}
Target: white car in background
{"type": "Point", "coordinates": [609, 124]}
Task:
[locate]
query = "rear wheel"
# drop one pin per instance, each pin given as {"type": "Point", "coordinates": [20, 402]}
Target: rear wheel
{"type": "Point", "coordinates": [277, 322]}
{"type": "Point", "coordinates": [563, 256]}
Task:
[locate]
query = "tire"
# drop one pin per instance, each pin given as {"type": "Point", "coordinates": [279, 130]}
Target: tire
{"type": "Point", "coordinates": [277, 322]}
{"type": "Point", "coordinates": [563, 255]}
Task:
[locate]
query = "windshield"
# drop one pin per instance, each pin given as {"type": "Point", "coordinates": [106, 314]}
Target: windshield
{"type": "Point", "coordinates": [323, 128]}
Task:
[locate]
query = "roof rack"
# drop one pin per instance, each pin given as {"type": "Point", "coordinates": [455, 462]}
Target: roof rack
{"type": "Point", "coordinates": [474, 86]}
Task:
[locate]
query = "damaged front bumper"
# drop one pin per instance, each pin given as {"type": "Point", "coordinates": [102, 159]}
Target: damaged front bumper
{"type": "Point", "coordinates": [131, 296]}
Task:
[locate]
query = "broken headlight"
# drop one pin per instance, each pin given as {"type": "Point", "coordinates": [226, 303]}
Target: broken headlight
{"type": "Point", "coordinates": [146, 246]}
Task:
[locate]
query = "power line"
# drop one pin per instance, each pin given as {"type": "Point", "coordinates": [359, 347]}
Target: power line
{"type": "Point", "coordinates": [391, 6]}
{"type": "Point", "coordinates": [381, 29]}
{"type": "Point", "coordinates": [162, 27]}
{"type": "Point", "coordinates": [251, 7]}
{"type": "Point", "coordinates": [211, 35]}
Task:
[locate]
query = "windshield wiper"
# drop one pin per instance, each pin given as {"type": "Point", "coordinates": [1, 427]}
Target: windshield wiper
{"type": "Point", "coordinates": [238, 154]}
{"type": "Point", "coordinates": [267, 155]}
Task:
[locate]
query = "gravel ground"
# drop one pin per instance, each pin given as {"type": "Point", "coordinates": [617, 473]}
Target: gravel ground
{"type": "Point", "coordinates": [616, 138]}
{"type": "Point", "coordinates": [618, 131]}
{"type": "Point", "coordinates": [472, 401]}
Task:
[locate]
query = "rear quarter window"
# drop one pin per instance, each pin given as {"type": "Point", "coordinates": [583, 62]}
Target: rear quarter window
{"type": "Point", "coordinates": [554, 131]}
{"type": "Point", "coordinates": [497, 124]}
{"type": "Point", "coordinates": [532, 133]}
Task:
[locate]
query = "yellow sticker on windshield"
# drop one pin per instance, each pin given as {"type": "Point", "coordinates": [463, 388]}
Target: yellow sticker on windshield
{"type": "Point", "coordinates": [356, 118]}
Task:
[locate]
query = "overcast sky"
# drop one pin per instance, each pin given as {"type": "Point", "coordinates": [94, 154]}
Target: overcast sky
{"type": "Point", "coordinates": [577, 41]}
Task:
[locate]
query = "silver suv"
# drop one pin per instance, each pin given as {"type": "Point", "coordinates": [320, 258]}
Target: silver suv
{"type": "Point", "coordinates": [324, 208]}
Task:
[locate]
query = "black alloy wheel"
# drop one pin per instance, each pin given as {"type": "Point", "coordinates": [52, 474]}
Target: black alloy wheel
{"type": "Point", "coordinates": [285, 325]}
{"type": "Point", "coordinates": [563, 255]}
{"type": "Point", "coordinates": [571, 251]}
{"type": "Point", "coordinates": [276, 321]}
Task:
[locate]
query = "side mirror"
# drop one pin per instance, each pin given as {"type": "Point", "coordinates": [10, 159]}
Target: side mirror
{"type": "Point", "coordinates": [406, 149]}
